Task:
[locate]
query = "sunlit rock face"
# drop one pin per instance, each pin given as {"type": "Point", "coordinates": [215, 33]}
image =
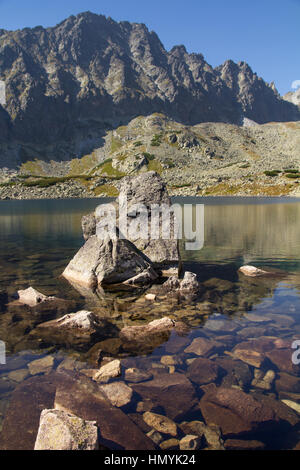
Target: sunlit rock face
{"type": "Point", "coordinates": [90, 73]}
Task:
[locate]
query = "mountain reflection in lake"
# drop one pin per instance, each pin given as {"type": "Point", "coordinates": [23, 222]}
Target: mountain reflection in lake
{"type": "Point", "coordinates": [233, 315]}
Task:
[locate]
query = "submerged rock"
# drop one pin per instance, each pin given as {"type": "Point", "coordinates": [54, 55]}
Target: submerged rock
{"type": "Point", "coordinates": [160, 389]}
{"type": "Point", "coordinates": [146, 337]}
{"type": "Point", "coordinates": [187, 285]}
{"type": "Point", "coordinates": [238, 444]}
{"type": "Point", "coordinates": [203, 371]}
{"type": "Point", "coordinates": [83, 321]}
{"type": "Point", "coordinates": [41, 366]}
{"type": "Point", "coordinates": [160, 423]}
{"type": "Point", "coordinates": [118, 393]}
{"type": "Point", "coordinates": [78, 329]}
{"type": "Point", "coordinates": [202, 347]}
{"type": "Point", "coordinates": [252, 271]}
{"type": "Point", "coordinates": [32, 297]}
{"type": "Point", "coordinates": [109, 371]}
{"type": "Point", "coordinates": [107, 262]}
{"type": "Point", "coordinates": [116, 430]}
{"type": "Point", "coordinates": [61, 431]}
{"type": "Point", "coordinates": [236, 412]}
{"type": "Point", "coordinates": [190, 442]}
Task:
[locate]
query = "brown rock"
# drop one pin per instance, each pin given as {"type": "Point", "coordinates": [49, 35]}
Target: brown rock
{"type": "Point", "coordinates": [160, 423]}
{"type": "Point", "coordinates": [146, 337]}
{"type": "Point", "coordinates": [287, 383]}
{"type": "Point", "coordinates": [117, 431]}
{"type": "Point", "coordinates": [236, 412]}
{"type": "Point", "coordinates": [237, 444]}
{"type": "Point", "coordinates": [203, 371]}
{"type": "Point", "coordinates": [282, 359]}
{"type": "Point", "coordinates": [160, 389]}
{"type": "Point", "coordinates": [202, 347]}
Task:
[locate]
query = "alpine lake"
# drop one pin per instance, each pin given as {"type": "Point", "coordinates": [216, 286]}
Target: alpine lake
{"type": "Point", "coordinates": [246, 325]}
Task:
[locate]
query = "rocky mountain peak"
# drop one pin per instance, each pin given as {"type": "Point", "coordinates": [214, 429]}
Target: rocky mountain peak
{"type": "Point", "coordinates": [66, 84]}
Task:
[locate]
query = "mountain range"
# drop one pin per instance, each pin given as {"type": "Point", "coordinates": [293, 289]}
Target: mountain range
{"type": "Point", "coordinates": [67, 85]}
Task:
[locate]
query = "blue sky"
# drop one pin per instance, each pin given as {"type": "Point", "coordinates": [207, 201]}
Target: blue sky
{"type": "Point", "coordinates": [264, 33]}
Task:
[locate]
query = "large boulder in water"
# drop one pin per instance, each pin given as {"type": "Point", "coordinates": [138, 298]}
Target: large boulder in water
{"type": "Point", "coordinates": [109, 261]}
{"type": "Point", "coordinates": [146, 189]}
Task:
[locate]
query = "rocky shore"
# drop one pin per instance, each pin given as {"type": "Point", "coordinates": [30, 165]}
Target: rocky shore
{"type": "Point", "coordinates": [210, 159]}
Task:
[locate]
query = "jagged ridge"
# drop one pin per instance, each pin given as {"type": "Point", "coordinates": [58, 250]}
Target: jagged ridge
{"type": "Point", "coordinates": [66, 85]}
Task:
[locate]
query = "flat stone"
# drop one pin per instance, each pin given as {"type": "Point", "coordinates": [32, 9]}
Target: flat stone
{"type": "Point", "coordinates": [238, 372]}
{"type": "Point", "coordinates": [169, 444]}
{"type": "Point", "coordinates": [203, 371]}
{"type": "Point", "coordinates": [116, 430]}
{"type": "Point", "coordinates": [287, 383]}
{"type": "Point", "coordinates": [236, 412]}
{"type": "Point", "coordinates": [252, 271]}
{"type": "Point", "coordinates": [238, 444]}
{"type": "Point", "coordinates": [155, 436]}
{"type": "Point", "coordinates": [26, 404]}
{"type": "Point", "coordinates": [283, 413]}
{"type": "Point", "coordinates": [253, 317]}
{"type": "Point", "coordinates": [295, 406]}
{"type": "Point", "coordinates": [110, 346]}
{"type": "Point", "coordinates": [282, 359]}
{"type": "Point", "coordinates": [32, 297]}
{"type": "Point", "coordinates": [160, 423]}
{"type": "Point", "coordinates": [137, 375]}
{"type": "Point", "coordinates": [221, 325]}
{"type": "Point", "coordinates": [176, 344]}
{"type": "Point", "coordinates": [168, 360]}
{"type": "Point", "coordinates": [118, 393]}
{"type": "Point", "coordinates": [263, 380]}
{"type": "Point", "coordinates": [41, 366]}
{"type": "Point", "coordinates": [160, 389]}
{"type": "Point", "coordinates": [190, 442]}
{"type": "Point", "coordinates": [18, 375]}
{"type": "Point", "coordinates": [150, 297]}
{"type": "Point", "coordinates": [61, 431]}
{"type": "Point", "coordinates": [254, 351]}
{"type": "Point", "coordinates": [202, 347]}
{"type": "Point", "coordinates": [145, 338]}
{"type": "Point", "coordinates": [109, 371]}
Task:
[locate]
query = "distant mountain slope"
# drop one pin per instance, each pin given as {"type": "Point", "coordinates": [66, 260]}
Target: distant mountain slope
{"type": "Point", "coordinates": [66, 85]}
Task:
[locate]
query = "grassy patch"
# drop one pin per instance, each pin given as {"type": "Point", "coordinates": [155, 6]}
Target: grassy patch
{"type": "Point", "coordinates": [46, 182]}
{"type": "Point", "coordinates": [156, 140]}
{"type": "Point", "coordinates": [251, 189]}
{"type": "Point", "coordinates": [79, 166]}
{"type": "Point", "coordinates": [155, 165]}
{"type": "Point", "coordinates": [149, 156]}
{"type": "Point", "coordinates": [33, 168]}
{"type": "Point", "coordinates": [109, 190]}
{"type": "Point", "coordinates": [292, 175]}
{"type": "Point", "coordinates": [138, 143]}
{"type": "Point", "coordinates": [178, 186]}
{"type": "Point", "coordinates": [107, 170]}
{"type": "Point", "coordinates": [272, 173]}
{"type": "Point", "coordinates": [253, 155]}
{"type": "Point", "coordinates": [116, 144]}
{"type": "Point", "coordinates": [246, 165]}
